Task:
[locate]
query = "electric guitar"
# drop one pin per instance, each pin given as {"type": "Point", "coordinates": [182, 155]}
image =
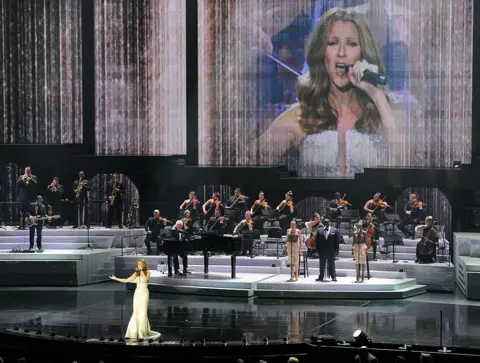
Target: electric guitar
{"type": "Point", "coordinates": [33, 220]}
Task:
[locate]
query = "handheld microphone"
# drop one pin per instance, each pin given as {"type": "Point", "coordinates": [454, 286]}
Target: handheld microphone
{"type": "Point", "coordinates": [370, 77]}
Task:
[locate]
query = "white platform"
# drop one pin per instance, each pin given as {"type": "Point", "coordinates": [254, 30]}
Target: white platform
{"type": "Point", "coordinates": [277, 286]}
{"type": "Point", "coordinates": [467, 260]}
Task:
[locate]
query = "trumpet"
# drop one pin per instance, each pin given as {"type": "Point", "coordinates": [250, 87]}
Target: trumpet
{"type": "Point", "coordinates": [52, 187]}
{"type": "Point", "coordinates": [26, 178]}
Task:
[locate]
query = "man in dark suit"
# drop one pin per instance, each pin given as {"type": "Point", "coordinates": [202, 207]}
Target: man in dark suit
{"type": "Point", "coordinates": [27, 190]}
{"type": "Point", "coordinates": [327, 239]}
{"type": "Point", "coordinates": [36, 210]}
{"type": "Point", "coordinates": [115, 192]}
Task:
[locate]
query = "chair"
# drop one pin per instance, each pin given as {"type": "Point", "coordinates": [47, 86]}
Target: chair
{"type": "Point", "coordinates": [275, 233]}
{"type": "Point", "coordinates": [350, 216]}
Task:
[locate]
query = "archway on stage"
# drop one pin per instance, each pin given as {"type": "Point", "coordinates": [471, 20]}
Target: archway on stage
{"type": "Point", "coordinates": [99, 203]}
{"type": "Point", "coordinates": [306, 208]}
{"type": "Point", "coordinates": [436, 204]}
{"type": "Point", "coordinates": [9, 205]}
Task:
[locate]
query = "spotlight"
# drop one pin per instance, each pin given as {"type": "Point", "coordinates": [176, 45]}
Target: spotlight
{"type": "Point", "coordinates": [361, 338]}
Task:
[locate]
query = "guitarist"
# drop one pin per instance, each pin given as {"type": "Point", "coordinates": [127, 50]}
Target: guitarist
{"type": "Point", "coordinates": [36, 210]}
{"type": "Point", "coordinates": [312, 227]}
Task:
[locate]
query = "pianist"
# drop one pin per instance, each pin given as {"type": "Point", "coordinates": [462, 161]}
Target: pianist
{"type": "Point", "coordinates": [216, 222]}
{"type": "Point", "coordinates": [180, 236]}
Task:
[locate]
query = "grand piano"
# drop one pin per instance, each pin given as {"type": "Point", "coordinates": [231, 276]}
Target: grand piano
{"type": "Point", "coordinates": [204, 241]}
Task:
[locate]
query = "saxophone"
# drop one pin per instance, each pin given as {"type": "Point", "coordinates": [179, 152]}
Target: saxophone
{"type": "Point", "coordinates": [114, 193]}
{"type": "Point", "coordinates": [78, 191]}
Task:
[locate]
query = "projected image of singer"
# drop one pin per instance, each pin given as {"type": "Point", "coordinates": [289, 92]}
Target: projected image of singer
{"type": "Point", "coordinates": [343, 121]}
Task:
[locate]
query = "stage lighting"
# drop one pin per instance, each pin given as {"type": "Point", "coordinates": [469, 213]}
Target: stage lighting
{"type": "Point", "coordinates": [361, 338]}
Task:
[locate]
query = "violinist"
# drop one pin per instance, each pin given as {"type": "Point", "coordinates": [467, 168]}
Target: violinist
{"type": "Point", "coordinates": [210, 205]}
{"type": "Point", "coordinates": [334, 209]}
{"type": "Point", "coordinates": [237, 202]}
{"type": "Point", "coordinates": [413, 215]}
{"type": "Point", "coordinates": [216, 222]}
{"type": "Point", "coordinates": [191, 204]}
{"type": "Point", "coordinates": [286, 211]}
{"type": "Point", "coordinates": [427, 247]}
{"type": "Point", "coordinates": [256, 211]}
{"type": "Point", "coordinates": [187, 221]}
{"type": "Point", "coordinates": [246, 225]}
{"type": "Point", "coordinates": [372, 229]}
{"type": "Point", "coordinates": [153, 226]}
{"type": "Point", "coordinates": [377, 207]}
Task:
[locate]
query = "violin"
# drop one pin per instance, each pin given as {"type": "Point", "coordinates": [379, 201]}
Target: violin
{"type": "Point", "coordinates": [343, 203]}
{"type": "Point", "coordinates": [259, 204]}
{"type": "Point", "coordinates": [417, 204]}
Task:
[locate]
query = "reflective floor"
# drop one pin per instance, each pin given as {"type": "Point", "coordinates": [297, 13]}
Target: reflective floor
{"type": "Point", "coordinates": [104, 310]}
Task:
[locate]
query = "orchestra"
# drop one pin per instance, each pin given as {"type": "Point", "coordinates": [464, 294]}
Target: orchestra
{"type": "Point", "coordinates": [247, 221]}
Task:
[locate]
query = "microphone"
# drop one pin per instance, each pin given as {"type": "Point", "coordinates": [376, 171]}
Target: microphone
{"type": "Point", "coordinates": [369, 76]}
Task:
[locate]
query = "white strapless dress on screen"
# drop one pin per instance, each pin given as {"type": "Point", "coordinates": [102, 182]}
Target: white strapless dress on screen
{"type": "Point", "coordinates": [318, 154]}
{"type": "Point", "coordinates": [139, 326]}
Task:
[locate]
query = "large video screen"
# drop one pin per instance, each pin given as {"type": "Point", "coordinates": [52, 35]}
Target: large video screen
{"type": "Point", "coordinates": [298, 83]}
{"type": "Point", "coordinates": [140, 66]}
{"type": "Point", "coordinates": [41, 72]}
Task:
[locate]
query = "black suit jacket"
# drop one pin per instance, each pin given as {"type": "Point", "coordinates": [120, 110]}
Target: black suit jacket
{"type": "Point", "coordinates": [54, 197]}
{"type": "Point", "coordinates": [240, 204]}
{"type": "Point", "coordinates": [27, 190]}
{"type": "Point", "coordinates": [85, 189]}
{"type": "Point", "coordinates": [121, 191]}
{"type": "Point", "coordinates": [327, 245]}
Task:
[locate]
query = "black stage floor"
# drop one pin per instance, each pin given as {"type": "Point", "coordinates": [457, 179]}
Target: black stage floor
{"type": "Point", "coordinates": [104, 310]}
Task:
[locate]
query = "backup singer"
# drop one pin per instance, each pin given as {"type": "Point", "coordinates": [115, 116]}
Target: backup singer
{"type": "Point", "coordinates": [54, 194]}
{"type": "Point", "coordinates": [359, 250]}
{"type": "Point", "coordinates": [216, 223]}
{"type": "Point", "coordinates": [286, 211]}
{"type": "Point", "coordinates": [176, 265]}
{"type": "Point", "coordinates": [115, 191]}
{"type": "Point", "coordinates": [36, 210]}
{"type": "Point", "coordinates": [327, 239]}
{"type": "Point", "coordinates": [27, 187]}
{"type": "Point", "coordinates": [153, 226]}
{"type": "Point", "coordinates": [191, 204]}
{"type": "Point", "coordinates": [427, 247]}
{"type": "Point", "coordinates": [246, 225]}
{"type": "Point", "coordinates": [377, 207]}
{"type": "Point", "coordinates": [256, 211]}
{"type": "Point", "coordinates": [81, 188]}
{"type": "Point", "coordinates": [294, 247]}
{"type": "Point", "coordinates": [334, 209]}
{"type": "Point", "coordinates": [413, 215]}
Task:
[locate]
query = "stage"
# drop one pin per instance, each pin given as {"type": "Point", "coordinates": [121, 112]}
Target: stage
{"type": "Point", "coordinates": [75, 257]}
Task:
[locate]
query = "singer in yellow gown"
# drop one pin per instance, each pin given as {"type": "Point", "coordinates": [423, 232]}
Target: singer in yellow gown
{"type": "Point", "coordinates": [139, 326]}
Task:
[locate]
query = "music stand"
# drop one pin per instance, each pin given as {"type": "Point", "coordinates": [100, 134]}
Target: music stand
{"type": "Point", "coordinates": [233, 214]}
{"type": "Point", "coordinates": [349, 215]}
{"type": "Point", "coordinates": [88, 246]}
{"type": "Point", "coordinates": [270, 214]}
{"type": "Point", "coordinates": [391, 219]}
{"type": "Point", "coordinates": [393, 241]}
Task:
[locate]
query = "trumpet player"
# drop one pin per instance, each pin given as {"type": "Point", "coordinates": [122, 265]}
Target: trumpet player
{"type": "Point", "coordinates": [27, 186]}
{"type": "Point", "coordinates": [54, 196]}
{"type": "Point", "coordinates": [286, 211]}
{"type": "Point", "coordinates": [80, 189]}
{"type": "Point", "coordinates": [115, 191]}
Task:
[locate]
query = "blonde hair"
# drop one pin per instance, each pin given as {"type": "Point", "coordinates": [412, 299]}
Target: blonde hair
{"type": "Point", "coordinates": [144, 266]}
{"type": "Point", "coordinates": [314, 86]}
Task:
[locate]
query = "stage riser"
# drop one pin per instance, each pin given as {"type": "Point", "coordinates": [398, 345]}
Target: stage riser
{"type": "Point", "coordinates": [60, 269]}
{"type": "Point", "coordinates": [467, 260]}
{"type": "Point", "coordinates": [58, 245]}
{"type": "Point", "coordinates": [340, 295]}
